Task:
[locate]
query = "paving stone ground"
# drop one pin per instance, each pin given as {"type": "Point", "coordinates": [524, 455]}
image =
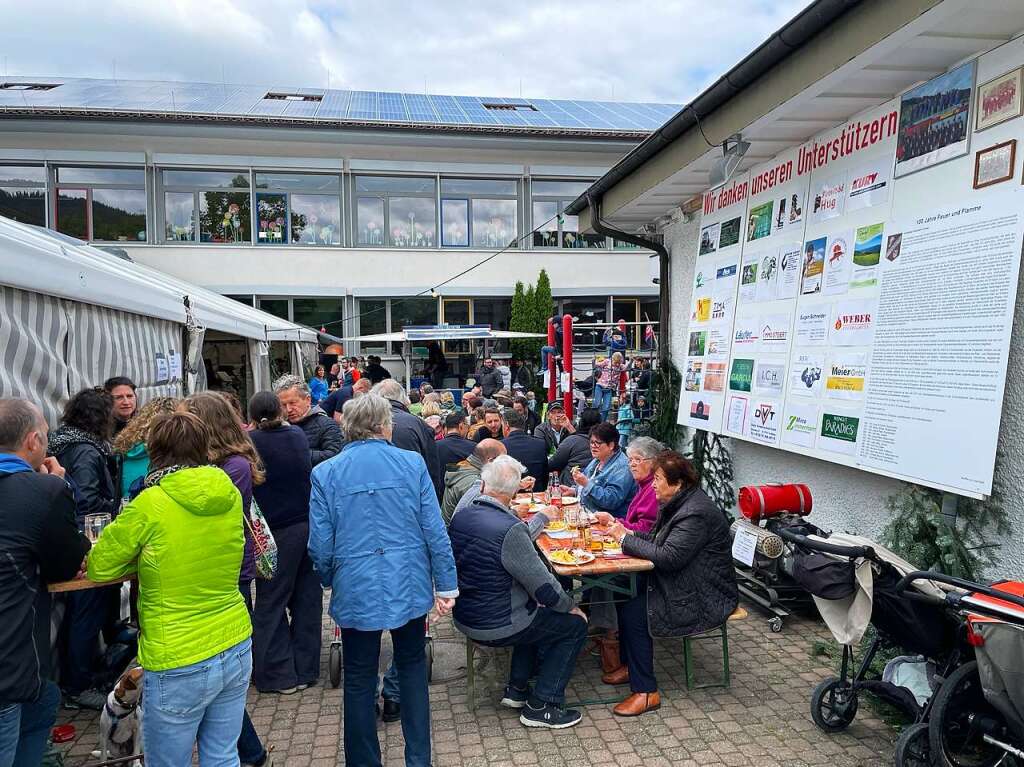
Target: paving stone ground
{"type": "Point", "coordinates": [762, 720]}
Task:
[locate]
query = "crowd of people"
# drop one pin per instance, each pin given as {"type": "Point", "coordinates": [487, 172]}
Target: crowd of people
{"type": "Point", "coordinates": [399, 503]}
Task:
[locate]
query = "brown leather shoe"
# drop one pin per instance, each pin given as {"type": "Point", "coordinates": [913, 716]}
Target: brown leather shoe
{"type": "Point", "coordinates": [618, 676]}
{"type": "Point", "coordinates": [638, 703]}
{"type": "Point", "coordinates": [610, 660]}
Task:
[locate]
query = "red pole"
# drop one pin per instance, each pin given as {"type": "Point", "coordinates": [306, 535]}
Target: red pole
{"type": "Point", "coordinates": [552, 368]}
{"type": "Point", "coordinates": [567, 361]}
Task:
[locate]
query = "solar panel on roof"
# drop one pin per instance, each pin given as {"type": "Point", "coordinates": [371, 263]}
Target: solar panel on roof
{"type": "Point", "coordinates": [363, 105]}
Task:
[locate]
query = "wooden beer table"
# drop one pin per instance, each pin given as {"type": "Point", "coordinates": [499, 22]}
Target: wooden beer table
{"type": "Point", "coordinates": [81, 584]}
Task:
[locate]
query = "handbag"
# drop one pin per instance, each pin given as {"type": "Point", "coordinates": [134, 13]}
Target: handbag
{"type": "Point", "coordinates": [264, 547]}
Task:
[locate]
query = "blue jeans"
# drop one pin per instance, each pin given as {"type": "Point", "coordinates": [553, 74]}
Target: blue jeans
{"type": "Point", "coordinates": [203, 702]}
{"type": "Point", "coordinates": [603, 400]}
{"type": "Point", "coordinates": [547, 649]}
{"type": "Point", "coordinates": [389, 688]}
{"type": "Point", "coordinates": [361, 654]}
{"type": "Point", "coordinates": [25, 727]}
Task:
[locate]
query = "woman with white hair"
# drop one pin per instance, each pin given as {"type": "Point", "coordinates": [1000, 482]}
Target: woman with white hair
{"type": "Point", "coordinates": [377, 538]}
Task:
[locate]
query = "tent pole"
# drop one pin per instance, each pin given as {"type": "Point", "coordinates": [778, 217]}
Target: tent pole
{"type": "Point", "coordinates": [408, 367]}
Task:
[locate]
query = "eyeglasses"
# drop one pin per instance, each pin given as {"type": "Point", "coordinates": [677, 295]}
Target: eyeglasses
{"type": "Point", "coordinates": [598, 443]}
{"type": "Point", "coordinates": [634, 459]}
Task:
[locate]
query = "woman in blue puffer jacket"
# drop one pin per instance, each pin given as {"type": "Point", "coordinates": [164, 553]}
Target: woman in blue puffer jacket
{"type": "Point", "coordinates": [377, 538]}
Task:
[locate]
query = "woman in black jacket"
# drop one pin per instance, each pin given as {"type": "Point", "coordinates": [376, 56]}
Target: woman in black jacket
{"type": "Point", "coordinates": [80, 445]}
{"type": "Point", "coordinates": [692, 588]}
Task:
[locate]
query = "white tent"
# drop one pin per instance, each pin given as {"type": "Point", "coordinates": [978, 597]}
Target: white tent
{"type": "Point", "coordinates": [72, 315]}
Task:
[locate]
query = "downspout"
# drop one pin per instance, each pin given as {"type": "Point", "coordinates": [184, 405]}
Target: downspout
{"type": "Point", "coordinates": [601, 227]}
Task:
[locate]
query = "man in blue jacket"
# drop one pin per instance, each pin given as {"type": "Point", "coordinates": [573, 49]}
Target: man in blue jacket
{"type": "Point", "coordinates": [508, 598]}
{"type": "Point", "coordinates": [39, 544]}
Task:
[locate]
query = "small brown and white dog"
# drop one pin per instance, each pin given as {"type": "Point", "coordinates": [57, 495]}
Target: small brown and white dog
{"type": "Point", "coordinates": [121, 719]}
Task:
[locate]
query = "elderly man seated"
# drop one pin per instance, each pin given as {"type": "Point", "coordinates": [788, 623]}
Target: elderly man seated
{"type": "Point", "coordinates": [508, 598]}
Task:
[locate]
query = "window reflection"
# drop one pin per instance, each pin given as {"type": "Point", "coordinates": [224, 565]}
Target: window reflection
{"type": "Point", "coordinates": [494, 223]}
{"type": "Point", "coordinates": [271, 219]}
{"type": "Point", "coordinates": [370, 221]}
{"type": "Point", "coordinates": [315, 219]}
{"type": "Point", "coordinates": [119, 215]}
{"type": "Point", "coordinates": [412, 222]}
{"type": "Point", "coordinates": [545, 224]}
{"type": "Point", "coordinates": [25, 205]}
{"type": "Point", "coordinates": [71, 213]}
{"type": "Point", "coordinates": [179, 216]}
{"type": "Point", "coordinates": [455, 223]}
{"type": "Point", "coordinates": [224, 217]}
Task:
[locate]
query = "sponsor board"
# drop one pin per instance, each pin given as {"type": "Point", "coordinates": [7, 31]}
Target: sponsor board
{"type": "Point", "coordinates": [770, 377]}
{"type": "Point", "coordinates": [839, 433]}
{"type": "Point", "coordinates": [763, 425]}
{"type": "Point", "coordinates": [800, 426]}
{"type": "Point", "coordinates": [741, 375]}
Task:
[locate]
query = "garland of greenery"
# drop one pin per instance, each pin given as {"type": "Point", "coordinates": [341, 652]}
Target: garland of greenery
{"type": "Point", "coordinates": [924, 535]}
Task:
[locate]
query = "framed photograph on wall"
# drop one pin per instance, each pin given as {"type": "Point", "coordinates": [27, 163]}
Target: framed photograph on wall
{"type": "Point", "coordinates": [935, 121]}
{"type": "Point", "coordinates": [999, 100]}
{"type": "Point", "coordinates": [995, 164]}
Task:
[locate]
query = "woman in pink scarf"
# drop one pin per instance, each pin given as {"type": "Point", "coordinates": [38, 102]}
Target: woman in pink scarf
{"type": "Point", "coordinates": [643, 509]}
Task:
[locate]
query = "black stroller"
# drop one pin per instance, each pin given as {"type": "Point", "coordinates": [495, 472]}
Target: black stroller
{"type": "Point", "coordinates": [855, 582]}
{"type": "Point", "coordinates": [978, 713]}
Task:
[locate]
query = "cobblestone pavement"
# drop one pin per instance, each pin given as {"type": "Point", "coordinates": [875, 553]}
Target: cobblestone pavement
{"type": "Point", "coordinates": [762, 720]}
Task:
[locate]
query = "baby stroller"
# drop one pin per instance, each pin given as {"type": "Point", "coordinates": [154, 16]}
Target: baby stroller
{"type": "Point", "coordinates": [978, 714]}
{"type": "Point", "coordinates": [855, 582]}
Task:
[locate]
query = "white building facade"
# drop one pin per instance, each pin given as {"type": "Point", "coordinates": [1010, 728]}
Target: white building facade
{"type": "Point", "coordinates": [335, 209]}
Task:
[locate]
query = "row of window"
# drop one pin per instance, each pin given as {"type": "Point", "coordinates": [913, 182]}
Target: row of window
{"type": "Point", "coordinates": [270, 208]}
{"type": "Point", "coordinates": [384, 315]}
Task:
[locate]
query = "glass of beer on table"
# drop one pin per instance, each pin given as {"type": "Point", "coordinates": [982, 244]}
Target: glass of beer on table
{"type": "Point", "coordinates": [94, 525]}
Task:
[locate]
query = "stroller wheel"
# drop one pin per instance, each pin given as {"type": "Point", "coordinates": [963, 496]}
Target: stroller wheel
{"type": "Point", "coordinates": [912, 749]}
{"type": "Point", "coordinates": [960, 719]}
{"type": "Point", "coordinates": [775, 624]}
{"type": "Point", "coordinates": [833, 705]}
{"type": "Point", "coordinates": [334, 664]}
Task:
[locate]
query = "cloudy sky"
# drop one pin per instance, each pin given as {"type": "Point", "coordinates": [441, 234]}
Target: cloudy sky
{"type": "Point", "coordinates": [659, 50]}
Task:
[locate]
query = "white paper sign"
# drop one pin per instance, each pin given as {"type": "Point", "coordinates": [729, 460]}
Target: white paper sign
{"type": "Point", "coordinates": [743, 547]}
{"type": "Point", "coordinates": [774, 332]}
{"type": "Point", "coordinates": [763, 423]}
{"type": "Point", "coordinates": [790, 268]}
{"type": "Point", "coordinates": [869, 185]}
{"type": "Point", "coordinates": [838, 263]}
{"type": "Point", "coordinates": [174, 364]}
{"type": "Point", "coordinates": [805, 374]}
{"type": "Point", "coordinates": [566, 381]}
{"type": "Point", "coordinates": [161, 368]}
{"type": "Point", "coordinates": [737, 414]}
{"type": "Point", "coordinates": [828, 199]}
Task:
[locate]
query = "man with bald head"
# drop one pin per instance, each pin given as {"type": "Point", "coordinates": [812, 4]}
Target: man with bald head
{"type": "Point", "coordinates": [39, 544]}
{"type": "Point", "coordinates": [463, 485]}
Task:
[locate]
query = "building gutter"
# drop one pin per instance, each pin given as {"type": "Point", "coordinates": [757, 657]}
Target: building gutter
{"type": "Point", "coordinates": [801, 29]}
{"type": "Point", "coordinates": [600, 226]}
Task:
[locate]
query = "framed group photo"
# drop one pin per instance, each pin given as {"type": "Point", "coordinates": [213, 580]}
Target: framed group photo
{"type": "Point", "coordinates": [995, 164]}
{"type": "Point", "coordinates": [935, 121]}
{"type": "Point", "coordinates": [999, 100]}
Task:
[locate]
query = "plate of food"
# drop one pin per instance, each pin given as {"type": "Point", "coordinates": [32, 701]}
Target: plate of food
{"type": "Point", "coordinates": [569, 500]}
{"type": "Point", "coordinates": [571, 557]}
{"type": "Point", "coordinates": [557, 526]}
{"type": "Point", "coordinates": [611, 547]}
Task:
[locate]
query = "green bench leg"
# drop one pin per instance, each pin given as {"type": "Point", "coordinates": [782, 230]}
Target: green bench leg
{"type": "Point", "coordinates": [688, 663]}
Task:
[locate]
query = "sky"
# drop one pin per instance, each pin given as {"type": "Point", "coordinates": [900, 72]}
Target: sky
{"type": "Point", "coordinates": [659, 50]}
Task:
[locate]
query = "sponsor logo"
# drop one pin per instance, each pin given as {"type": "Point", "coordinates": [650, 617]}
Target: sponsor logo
{"type": "Point", "coordinates": [718, 309]}
{"type": "Point", "coordinates": [810, 376]}
{"type": "Point", "coordinates": [770, 377]}
{"type": "Point", "coordinates": [700, 280]}
{"type": "Point", "coordinates": [764, 413]}
{"type": "Point", "coordinates": [841, 427]}
{"type": "Point", "coordinates": [863, 181]}
{"type": "Point", "coordinates": [745, 336]}
{"type": "Point", "coordinates": [740, 377]}
{"type": "Point", "coordinates": [774, 335]}
{"type": "Point", "coordinates": [700, 410]}
{"type": "Point", "coordinates": [838, 251]}
{"type": "Point", "coordinates": [799, 425]}
{"type": "Point", "coordinates": [726, 272]}
{"type": "Point", "coordinates": [703, 313]}
{"type": "Point", "coordinates": [847, 378]}
{"type": "Point", "coordinates": [853, 321]}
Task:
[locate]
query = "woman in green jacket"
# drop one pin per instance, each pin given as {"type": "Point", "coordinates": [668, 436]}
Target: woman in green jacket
{"type": "Point", "coordinates": [183, 537]}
